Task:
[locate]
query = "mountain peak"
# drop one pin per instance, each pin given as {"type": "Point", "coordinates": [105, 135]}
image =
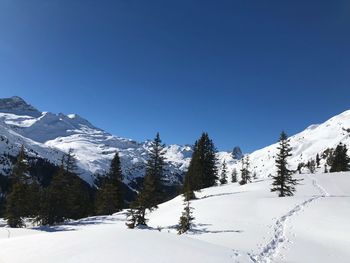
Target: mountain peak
{"type": "Point", "coordinates": [18, 106]}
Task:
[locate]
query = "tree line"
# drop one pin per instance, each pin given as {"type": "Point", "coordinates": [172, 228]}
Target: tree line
{"type": "Point", "coordinates": [68, 197]}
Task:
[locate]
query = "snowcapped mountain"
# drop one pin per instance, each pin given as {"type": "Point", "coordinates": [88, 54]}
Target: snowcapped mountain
{"type": "Point", "coordinates": [47, 135]}
{"type": "Point", "coordinates": [315, 139]}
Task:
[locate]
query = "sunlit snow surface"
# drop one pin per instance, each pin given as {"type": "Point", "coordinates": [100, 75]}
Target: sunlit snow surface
{"type": "Point", "coordinates": [233, 224]}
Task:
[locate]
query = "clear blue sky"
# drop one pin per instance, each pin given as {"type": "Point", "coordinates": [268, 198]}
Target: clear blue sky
{"type": "Point", "coordinates": [241, 70]}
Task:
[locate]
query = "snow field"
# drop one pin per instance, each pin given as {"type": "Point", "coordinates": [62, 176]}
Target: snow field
{"type": "Point", "coordinates": [233, 224]}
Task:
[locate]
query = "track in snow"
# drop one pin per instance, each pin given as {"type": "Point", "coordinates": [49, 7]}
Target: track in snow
{"type": "Point", "coordinates": [323, 192]}
{"type": "Point", "coordinates": [270, 251]}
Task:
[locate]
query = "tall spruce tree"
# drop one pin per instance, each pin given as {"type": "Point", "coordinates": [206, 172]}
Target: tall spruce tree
{"type": "Point", "coordinates": [245, 171]}
{"type": "Point", "coordinates": [283, 182]}
{"type": "Point", "coordinates": [151, 193]}
{"type": "Point", "coordinates": [223, 176]}
{"type": "Point", "coordinates": [17, 203]}
{"type": "Point", "coordinates": [109, 198]}
{"type": "Point", "coordinates": [202, 171]}
{"type": "Point", "coordinates": [67, 196]}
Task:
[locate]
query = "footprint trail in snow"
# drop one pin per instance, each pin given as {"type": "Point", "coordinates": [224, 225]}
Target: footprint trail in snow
{"type": "Point", "coordinates": [270, 251]}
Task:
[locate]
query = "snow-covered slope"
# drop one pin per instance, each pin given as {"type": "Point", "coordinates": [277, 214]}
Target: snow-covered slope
{"type": "Point", "coordinates": [305, 146]}
{"type": "Point", "coordinates": [233, 223]}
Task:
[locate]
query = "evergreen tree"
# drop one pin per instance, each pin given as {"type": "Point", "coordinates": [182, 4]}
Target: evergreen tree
{"type": "Point", "coordinates": [300, 166]}
{"type": "Point", "coordinates": [325, 168]}
{"type": "Point", "coordinates": [151, 193]}
{"type": "Point", "coordinates": [311, 165]}
{"type": "Point", "coordinates": [54, 203]}
{"type": "Point", "coordinates": [131, 218]}
{"type": "Point", "coordinates": [69, 162]}
{"type": "Point", "coordinates": [67, 196]}
{"type": "Point", "coordinates": [15, 205]}
{"type": "Point", "coordinates": [340, 159]}
{"type": "Point", "coordinates": [20, 171]}
{"type": "Point", "coordinates": [318, 160]}
{"type": "Point", "coordinates": [329, 153]}
{"type": "Point", "coordinates": [17, 199]}
{"type": "Point", "coordinates": [283, 182]}
{"type": "Point", "coordinates": [202, 171]}
{"type": "Point", "coordinates": [33, 198]}
{"type": "Point", "coordinates": [223, 177]}
{"type": "Point", "coordinates": [187, 189]}
{"type": "Point", "coordinates": [234, 176]}
{"type": "Point", "coordinates": [109, 198]}
{"type": "Point", "coordinates": [186, 219]}
{"type": "Point", "coordinates": [245, 171]}
{"type": "Point", "coordinates": [79, 203]}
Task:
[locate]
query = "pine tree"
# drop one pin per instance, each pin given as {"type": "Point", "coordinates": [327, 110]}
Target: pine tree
{"type": "Point", "coordinates": [33, 198]}
{"type": "Point", "coordinates": [311, 165]}
{"type": "Point", "coordinates": [109, 198]}
{"type": "Point", "coordinates": [283, 182]}
{"type": "Point", "coordinates": [17, 199]}
{"type": "Point", "coordinates": [79, 202]}
{"type": "Point", "coordinates": [54, 203]}
{"type": "Point", "coordinates": [325, 168]}
{"type": "Point", "coordinates": [318, 160]}
{"type": "Point", "coordinates": [202, 171]}
{"type": "Point", "coordinates": [131, 218]}
{"type": "Point", "coordinates": [300, 166]}
{"type": "Point", "coordinates": [187, 189]}
{"type": "Point", "coordinates": [20, 172]}
{"type": "Point", "coordinates": [234, 176]}
{"type": "Point", "coordinates": [67, 196]}
{"type": "Point", "coordinates": [329, 153]}
{"type": "Point", "coordinates": [69, 162]}
{"type": "Point", "coordinates": [15, 205]}
{"type": "Point", "coordinates": [340, 159]}
{"type": "Point", "coordinates": [151, 193]}
{"type": "Point", "coordinates": [223, 177]}
{"type": "Point", "coordinates": [186, 219]}
{"type": "Point", "coordinates": [245, 171]}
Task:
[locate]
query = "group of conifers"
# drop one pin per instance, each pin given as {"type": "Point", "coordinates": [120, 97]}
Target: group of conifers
{"type": "Point", "coordinates": [67, 197]}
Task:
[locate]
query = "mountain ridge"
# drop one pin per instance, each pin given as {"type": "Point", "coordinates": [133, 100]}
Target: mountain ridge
{"type": "Point", "coordinates": [50, 135]}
